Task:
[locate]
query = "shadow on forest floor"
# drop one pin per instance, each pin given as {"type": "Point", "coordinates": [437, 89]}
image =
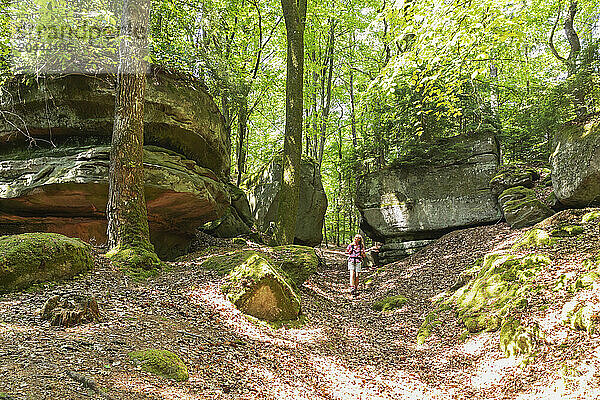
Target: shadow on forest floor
{"type": "Point", "coordinates": [344, 350]}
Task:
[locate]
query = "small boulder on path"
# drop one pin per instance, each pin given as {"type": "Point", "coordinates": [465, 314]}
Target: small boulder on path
{"type": "Point", "coordinates": [41, 257]}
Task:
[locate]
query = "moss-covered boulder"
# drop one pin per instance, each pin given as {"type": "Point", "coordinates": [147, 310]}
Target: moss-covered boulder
{"type": "Point", "coordinates": [501, 286]}
{"type": "Point", "coordinates": [161, 362]}
{"type": "Point", "coordinates": [512, 176]}
{"type": "Point", "coordinates": [567, 231]}
{"type": "Point", "coordinates": [40, 257]}
{"type": "Point", "coordinates": [259, 288]}
{"type": "Point", "coordinates": [592, 216]}
{"type": "Point", "coordinates": [389, 303]}
{"type": "Point", "coordinates": [518, 340]}
{"type": "Point", "coordinates": [576, 163]}
{"type": "Point", "coordinates": [521, 208]}
{"type": "Point", "coordinates": [298, 262]}
{"type": "Point", "coordinates": [581, 316]}
{"type": "Point", "coordinates": [532, 239]}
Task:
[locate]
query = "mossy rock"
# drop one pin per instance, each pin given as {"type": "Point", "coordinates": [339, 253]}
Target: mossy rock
{"type": "Point", "coordinates": [592, 216]}
{"type": "Point", "coordinates": [389, 303]}
{"type": "Point", "coordinates": [500, 287]}
{"type": "Point", "coordinates": [139, 261]}
{"type": "Point", "coordinates": [161, 362]}
{"type": "Point", "coordinates": [532, 239]}
{"type": "Point", "coordinates": [515, 339]}
{"type": "Point", "coordinates": [32, 258]}
{"type": "Point", "coordinates": [581, 316]}
{"type": "Point", "coordinates": [298, 262]}
{"type": "Point", "coordinates": [260, 289]}
{"type": "Point", "coordinates": [585, 280]}
{"type": "Point", "coordinates": [567, 231]}
{"type": "Point", "coordinates": [428, 325]}
{"type": "Point", "coordinates": [239, 241]}
{"type": "Point", "coordinates": [512, 176]}
{"type": "Point", "coordinates": [482, 322]}
{"type": "Point", "coordinates": [521, 208]}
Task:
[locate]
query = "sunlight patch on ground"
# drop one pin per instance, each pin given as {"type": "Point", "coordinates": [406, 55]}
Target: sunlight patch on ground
{"type": "Point", "coordinates": [230, 316]}
{"type": "Point", "coordinates": [279, 389]}
{"type": "Point", "coordinates": [132, 384]}
{"type": "Point", "coordinates": [12, 328]}
{"type": "Point", "coordinates": [319, 291]}
{"type": "Point", "coordinates": [475, 345]}
{"type": "Point", "coordinates": [489, 373]}
{"type": "Point", "coordinates": [400, 385]}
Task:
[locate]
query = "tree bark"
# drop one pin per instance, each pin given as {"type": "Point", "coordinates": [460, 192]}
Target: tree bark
{"type": "Point", "coordinates": [242, 132]}
{"type": "Point", "coordinates": [294, 12]}
{"type": "Point", "coordinates": [327, 106]}
{"type": "Point", "coordinates": [128, 233]}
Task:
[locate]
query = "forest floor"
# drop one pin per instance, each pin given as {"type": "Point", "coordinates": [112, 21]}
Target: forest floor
{"type": "Point", "coordinates": [343, 350]}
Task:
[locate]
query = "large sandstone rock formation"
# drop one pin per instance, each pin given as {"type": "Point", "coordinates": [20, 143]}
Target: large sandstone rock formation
{"type": "Point", "coordinates": [66, 190]}
{"type": "Point", "coordinates": [576, 163]}
{"type": "Point", "coordinates": [179, 115]}
{"type": "Point", "coordinates": [264, 200]}
{"type": "Point", "coordinates": [54, 143]}
{"type": "Point", "coordinates": [408, 205]}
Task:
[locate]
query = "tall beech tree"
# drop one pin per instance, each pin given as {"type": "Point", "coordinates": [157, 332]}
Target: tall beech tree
{"type": "Point", "coordinates": [128, 233]}
{"type": "Point", "coordinates": [294, 13]}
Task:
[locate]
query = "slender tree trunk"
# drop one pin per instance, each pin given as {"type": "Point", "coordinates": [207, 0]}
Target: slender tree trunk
{"type": "Point", "coordinates": [242, 133]}
{"type": "Point", "coordinates": [294, 13]}
{"type": "Point", "coordinates": [128, 233]}
{"type": "Point", "coordinates": [327, 107]}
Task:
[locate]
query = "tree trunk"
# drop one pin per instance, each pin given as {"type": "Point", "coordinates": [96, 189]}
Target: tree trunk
{"type": "Point", "coordinates": [327, 105]}
{"type": "Point", "coordinates": [242, 132]}
{"type": "Point", "coordinates": [294, 13]}
{"type": "Point", "coordinates": [128, 233]}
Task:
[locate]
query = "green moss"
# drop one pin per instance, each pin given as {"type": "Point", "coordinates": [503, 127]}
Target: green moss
{"type": "Point", "coordinates": [581, 316]}
{"type": "Point", "coordinates": [590, 217]}
{"type": "Point", "coordinates": [138, 262]}
{"type": "Point", "coordinates": [516, 339]}
{"type": "Point", "coordinates": [225, 263]}
{"type": "Point", "coordinates": [239, 241]}
{"type": "Point", "coordinates": [427, 327]}
{"type": "Point", "coordinates": [482, 322]}
{"type": "Point", "coordinates": [533, 238]}
{"type": "Point", "coordinates": [389, 303]}
{"type": "Point", "coordinates": [260, 289]}
{"type": "Point", "coordinates": [585, 280]}
{"type": "Point", "coordinates": [161, 362]}
{"type": "Point", "coordinates": [40, 257]}
{"type": "Point", "coordinates": [567, 231]}
{"type": "Point", "coordinates": [298, 262]}
{"type": "Point", "coordinates": [501, 286]}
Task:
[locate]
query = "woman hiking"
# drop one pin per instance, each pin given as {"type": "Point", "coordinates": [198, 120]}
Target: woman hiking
{"type": "Point", "coordinates": [356, 254]}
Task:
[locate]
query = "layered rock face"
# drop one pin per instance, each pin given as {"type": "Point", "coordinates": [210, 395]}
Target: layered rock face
{"type": "Point", "coordinates": [61, 183]}
{"type": "Point", "coordinates": [67, 193]}
{"type": "Point", "coordinates": [407, 206]}
{"type": "Point", "coordinates": [179, 115]}
{"type": "Point", "coordinates": [264, 200]}
{"type": "Point", "coordinates": [576, 164]}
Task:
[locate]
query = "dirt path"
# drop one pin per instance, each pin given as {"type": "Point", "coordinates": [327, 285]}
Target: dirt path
{"type": "Point", "coordinates": [344, 350]}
